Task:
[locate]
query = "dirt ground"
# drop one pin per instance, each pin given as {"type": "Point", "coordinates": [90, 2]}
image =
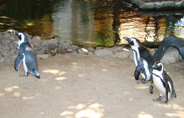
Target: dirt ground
{"type": "Point", "coordinates": [79, 86]}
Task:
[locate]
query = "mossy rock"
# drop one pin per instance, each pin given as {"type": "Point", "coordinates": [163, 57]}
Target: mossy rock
{"type": "Point", "coordinates": [158, 5]}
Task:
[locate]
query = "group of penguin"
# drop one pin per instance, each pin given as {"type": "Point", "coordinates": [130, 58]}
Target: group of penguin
{"type": "Point", "coordinates": [153, 70]}
{"type": "Point", "coordinates": [146, 65]}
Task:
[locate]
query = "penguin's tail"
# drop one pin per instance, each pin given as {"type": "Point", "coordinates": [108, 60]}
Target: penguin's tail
{"type": "Point", "coordinates": [173, 93]}
{"type": "Point", "coordinates": [37, 76]}
{"type": "Point", "coordinates": [36, 73]}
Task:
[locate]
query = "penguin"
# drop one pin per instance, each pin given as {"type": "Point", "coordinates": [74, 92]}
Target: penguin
{"type": "Point", "coordinates": [26, 56]}
{"type": "Point", "coordinates": [142, 59]}
{"type": "Point", "coordinates": [175, 42]}
{"type": "Point", "coordinates": [162, 82]}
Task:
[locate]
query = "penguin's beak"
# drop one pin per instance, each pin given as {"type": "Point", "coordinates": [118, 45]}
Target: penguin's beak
{"type": "Point", "coordinates": [127, 39]}
{"type": "Point", "coordinates": [154, 66]}
{"type": "Point", "coordinates": [16, 33]}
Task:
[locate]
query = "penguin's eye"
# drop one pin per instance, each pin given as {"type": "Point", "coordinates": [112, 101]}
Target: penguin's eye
{"type": "Point", "coordinates": [132, 43]}
{"type": "Point", "coordinates": [159, 67]}
{"type": "Point", "coordinates": [19, 36]}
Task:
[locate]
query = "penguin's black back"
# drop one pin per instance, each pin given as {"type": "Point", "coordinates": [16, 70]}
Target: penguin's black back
{"type": "Point", "coordinates": [146, 55]}
{"type": "Point", "coordinates": [30, 57]}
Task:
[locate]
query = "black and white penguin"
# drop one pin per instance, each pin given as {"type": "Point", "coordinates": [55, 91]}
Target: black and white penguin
{"type": "Point", "coordinates": [26, 55]}
{"type": "Point", "coordinates": [162, 82]}
{"type": "Point", "coordinates": [142, 58]}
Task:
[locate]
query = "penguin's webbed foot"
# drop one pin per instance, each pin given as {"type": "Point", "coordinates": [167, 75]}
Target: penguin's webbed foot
{"type": "Point", "coordinates": [157, 99]}
{"type": "Point", "coordinates": [23, 75]}
{"type": "Point", "coordinates": [151, 89]}
{"type": "Point", "coordinates": [164, 102]}
{"type": "Point", "coordinates": [142, 81]}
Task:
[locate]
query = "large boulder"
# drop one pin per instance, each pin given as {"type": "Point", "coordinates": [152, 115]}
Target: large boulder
{"type": "Point", "coordinates": [103, 52]}
{"type": "Point", "coordinates": [171, 56]}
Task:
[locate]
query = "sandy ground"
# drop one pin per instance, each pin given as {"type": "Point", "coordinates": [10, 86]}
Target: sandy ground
{"type": "Point", "coordinates": [78, 86]}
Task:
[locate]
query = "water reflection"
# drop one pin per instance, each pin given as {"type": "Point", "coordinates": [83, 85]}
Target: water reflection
{"type": "Point", "coordinates": [83, 21]}
{"type": "Point", "coordinates": [89, 22]}
{"type": "Point", "coordinates": [33, 16]}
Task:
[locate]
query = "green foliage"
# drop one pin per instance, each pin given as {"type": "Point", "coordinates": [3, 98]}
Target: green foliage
{"type": "Point", "coordinates": [104, 38]}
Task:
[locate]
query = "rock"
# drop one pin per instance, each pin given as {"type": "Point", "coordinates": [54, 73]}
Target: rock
{"type": "Point", "coordinates": [13, 38]}
{"type": "Point", "coordinates": [56, 50]}
{"type": "Point", "coordinates": [53, 53]}
{"type": "Point", "coordinates": [171, 56]}
{"type": "Point", "coordinates": [69, 50]}
{"type": "Point", "coordinates": [7, 35]}
{"type": "Point", "coordinates": [90, 49]}
{"type": "Point", "coordinates": [75, 47]}
{"type": "Point", "coordinates": [14, 57]}
{"type": "Point", "coordinates": [103, 52]}
{"type": "Point", "coordinates": [37, 38]}
{"type": "Point", "coordinates": [45, 43]}
{"type": "Point", "coordinates": [39, 52]}
{"type": "Point", "coordinates": [61, 50]}
{"type": "Point", "coordinates": [42, 56]}
{"type": "Point", "coordinates": [83, 51]}
{"type": "Point", "coordinates": [64, 45]}
{"type": "Point", "coordinates": [6, 59]}
{"type": "Point", "coordinates": [131, 55]}
{"type": "Point", "coordinates": [121, 55]}
{"type": "Point", "coordinates": [36, 41]}
{"type": "Point", "coordinates": [98, 48]}
{"type": "Point", "coordinates": [52, 41]}
{"type": "Point", "coordinates": [5, 52]}
{"type": "Point", "coordinates": [1, 58]}
{"type": "Point", "coordinates": [116, 49]}
{"type": "Point", "coordinates": [52, 44]}
{"type": "Point", "coordinates": [11, 53]}
{"type": "Point", "coordinates": [90, 53]}
{"type": "Point", "coordinates": [15, 43]}
{"type": "Point", "coordinates": [46, 48]}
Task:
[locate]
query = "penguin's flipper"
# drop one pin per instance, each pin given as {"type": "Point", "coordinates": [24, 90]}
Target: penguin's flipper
{"type": "Point", "coordinates": [170, 84]}
{"type": "Point", "coordinates": [18, 61]}
{"type": "Point", "coordinates": [139, 69]}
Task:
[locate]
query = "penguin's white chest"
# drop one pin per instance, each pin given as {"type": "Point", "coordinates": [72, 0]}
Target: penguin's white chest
{"type": "Point", "coordinates": [146, 75]}
{"type": "Point", "coordinates": [24, 64]}
{"type": "Point", "coordinates": [159, 85]}
{"type": "Point", "coordinates": [136, 55]}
